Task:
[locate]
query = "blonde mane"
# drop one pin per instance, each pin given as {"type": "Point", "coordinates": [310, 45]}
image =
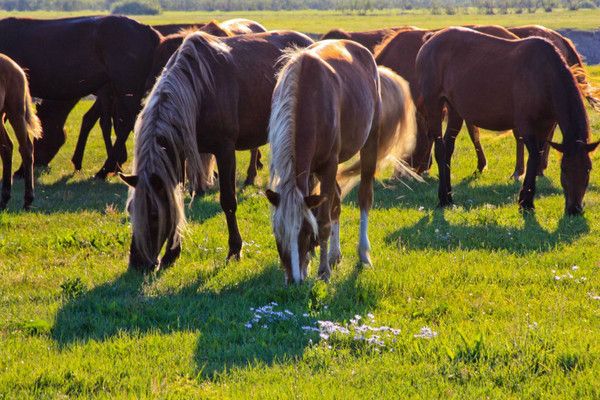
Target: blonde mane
{"type": "Point", "coordinates": [165, 129]}
{"type": "Point", "coordinates": [288, 216]}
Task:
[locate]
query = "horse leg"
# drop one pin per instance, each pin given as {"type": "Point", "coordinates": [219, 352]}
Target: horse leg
{"type": "Point", "coordinates": [328, 189]}
{"type": "Point", "coordinates": [123, 117]}
{"type": "Point", "coordinates": [528, 190]}
{"type": "Point", "coordinates": [26, 150]}
{"type": "Point", "coordinates": [520, 161]}
{"type": "Point", "coordinates": [226, 164]}
{"type": "Point", "coordinates": [474, 134]}
{"type": "Point", "coordinates": [87, 123]}
{"type": "Point", "coordinates": [335, 251]}
{"type": "Point", "coordinates": [259, 164]}
{"type": "Point", "coordinates": [455, 123]}
{"type": "Point", "coordinates": [6, 148]}
{"type": "Point", "coordinates": [421, 158]}
{"type": "Point", "coordinates": [435, 135]}
{"type": "Point", "coordinates": [106, 106]}
{"type": "Point", "coordinates": [368, 166]}
{"type": "Point", "coordinates": [545, 152]}
{"type": "Point", "coordinates": [252, 167]}
{"type": "Point", "coordinates": [52, 115]}
{"type": "Point", "coordinates": [172, 252]}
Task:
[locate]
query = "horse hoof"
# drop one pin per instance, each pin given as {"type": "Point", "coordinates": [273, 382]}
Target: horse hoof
{"type": "Point", "coordinates": [101, 175]}
{"type": "Point", "coordinates": [335, 259]}
{"type": "Point", "coordinates": [445, 203]}
{"type": "Point", "coordinates": [249, 182]}
{"type": "Point", "coordinates": [365, 259]}
{"type": "Point", "coordinates": [18, 174]}
{"type": "Point", "coordinates": [325, 276]}
{"type": "Point", "coordinates": [259, 165]}
{"type": "Point", "coordinates": [234, 255]}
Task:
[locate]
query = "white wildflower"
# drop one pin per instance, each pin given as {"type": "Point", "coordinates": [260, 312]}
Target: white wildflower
{"type": "Point", "coordinates": [426, 333]}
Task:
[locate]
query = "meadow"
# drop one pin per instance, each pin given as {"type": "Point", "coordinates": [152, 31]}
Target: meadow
{"type": "Point", "coordinates": [511, 300]}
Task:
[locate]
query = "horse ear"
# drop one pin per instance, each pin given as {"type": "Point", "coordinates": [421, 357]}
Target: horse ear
{"type": "Point", "coordinates": [131, 180]}
{"type": "Point", "coordinates": [591, 146]}
{"type": "Point", "coordinates": [557, 146]}
{"type": "Point", "coordinates": [273, 197]}
{"type": "Point", "coordinates": [314, 201]}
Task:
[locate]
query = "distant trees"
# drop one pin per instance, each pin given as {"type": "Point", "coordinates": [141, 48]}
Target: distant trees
{"type": "Point", "coordinates": [359, 6]}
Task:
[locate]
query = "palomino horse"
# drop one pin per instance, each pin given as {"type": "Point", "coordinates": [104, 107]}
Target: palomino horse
{"type": "Point", "coordinates": [109, 50]}
{"type": "Point", "coordinates": [399, 53]}
{"type": "Point", "coordinates": [532, 91]}
{"type": "Point", "coordinates": [15, 103]}
{"type": "Point", "coordinates": [326, 108]}
{"type": "Point", "coordinates": [213, 96]}
{"type": "Point", "coordinates": [369, 39]}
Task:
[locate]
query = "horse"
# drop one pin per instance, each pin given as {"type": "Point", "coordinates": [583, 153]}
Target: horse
{"type": "Point", "coordinates": [16, 105]}
{"type": "Point", "coordinates": [110, 50]}
{"type": "Point", "coordinates": [101, 109]}
{"type": "Point", "coordinates": [532, 91]}
{"type": "Point", "coordinates": [170, 29]}
{"type": "Point", "coordinates": [573, 59]}
{"type": "Point", "coordinates": [369, 39]}
{"type": "Point", "coordinates": [328, 99]}
{"type": "Point", "coordinates": [212, 97]}
{"type": "Point", "coordinates": [399, 53]}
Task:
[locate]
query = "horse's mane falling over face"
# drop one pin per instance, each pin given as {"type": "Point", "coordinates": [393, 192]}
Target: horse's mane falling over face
{"type": "Point", "coordinates": [166, 139]}
{"type": "Point", "coordinates": [292, 213]}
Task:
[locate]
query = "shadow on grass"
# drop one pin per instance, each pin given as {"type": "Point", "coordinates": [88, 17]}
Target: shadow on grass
{"type": "Point", "coordinates": [412, 194]}
{"type": "Point", "coordinates": [218, 315]}
{"type": "Point", "coordinates": [435, 232]}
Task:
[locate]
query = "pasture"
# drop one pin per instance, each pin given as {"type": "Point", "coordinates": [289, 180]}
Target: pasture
{"type": "Point", "coordinates": [512, 300]}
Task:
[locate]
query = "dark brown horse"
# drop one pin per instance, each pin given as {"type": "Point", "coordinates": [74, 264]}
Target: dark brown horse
{"type": "Point", "coordinates": [70, 58]}
{"type": "Point", "coordinates": [15, 103]}
{"type": "Point", "coordinates": [214, 96]}
{"type": "Point", "coordinates": [326, 108]}
{"type": "Point", "coordinates": [101, 109]}
{"type": "Point", "coordinates": [399, 53]}
{"type": "Point", "coordinates": [369, 39]}
{"type": "Point", "coordinates": [500, 84]}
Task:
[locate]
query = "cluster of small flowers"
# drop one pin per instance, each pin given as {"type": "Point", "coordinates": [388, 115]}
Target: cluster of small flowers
{"type": "Point", "coordinates": [358, 330]}
{"type": "Point", "coordinates": [265, 315]}
{"type": "Point", "coordinates": [569, 275]}
{"type": "Point", "coordinates": [594, 296]}
{"type": "Point", "coordinates": [426, 333]}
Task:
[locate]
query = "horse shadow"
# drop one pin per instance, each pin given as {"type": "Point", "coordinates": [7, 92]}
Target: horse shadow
{"type": "Point", "coordinates": [394, 193]}
{"type": "Point", "coordinates": [434, 231]}
{"type": "Point", "coordinates": [219, 315]}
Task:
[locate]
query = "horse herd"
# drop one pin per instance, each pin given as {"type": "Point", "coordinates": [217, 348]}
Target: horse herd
{"type": "Point", "coordinates": [212, 89]}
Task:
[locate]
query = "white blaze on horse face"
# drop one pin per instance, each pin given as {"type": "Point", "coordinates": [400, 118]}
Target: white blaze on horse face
{"type": "Point", "coordinates": [295, 259]}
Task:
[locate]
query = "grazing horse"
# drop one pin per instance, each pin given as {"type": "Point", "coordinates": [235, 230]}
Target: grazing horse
{"type": "Point", "coordinates": [212, 97]}
{"type": "Point", "coordinates": [399, 53]}
{"type": "Point", "coordinates": [500, 84]}
{"type": "Point", "coordinates": [326, 108]}
{"type": "Point", "coordinates": [15, 103]}
{"type": "Point", "coordinates": [170, 29]}
{"type": "Point", "coordinates": [369, 39]}
{"type": "Point", "coordinates": [71, 58]}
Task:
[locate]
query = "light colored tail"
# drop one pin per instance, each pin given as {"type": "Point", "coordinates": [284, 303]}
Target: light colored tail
{"type": "Point", "coordinates": [34, 127]}
{"type": "Point", "coordinates": [587, 90]}
{"type": "Point", "coordinates": [397, 135]}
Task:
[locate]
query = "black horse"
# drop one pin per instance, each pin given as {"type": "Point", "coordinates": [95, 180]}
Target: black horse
{"type": "Point", "coordinates": [67, 59]}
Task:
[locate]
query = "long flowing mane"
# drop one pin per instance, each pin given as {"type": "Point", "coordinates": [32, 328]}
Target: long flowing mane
{"type": "Point", "coordinates": [166, 134]}
{"type": "Point", "coordinates": [288, 216]}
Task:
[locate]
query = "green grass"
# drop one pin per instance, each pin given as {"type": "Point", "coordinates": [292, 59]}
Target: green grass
{"type": "Point", "coordinates": [321, 21]}
{"type": "Point", "coordinates": [75, 323]}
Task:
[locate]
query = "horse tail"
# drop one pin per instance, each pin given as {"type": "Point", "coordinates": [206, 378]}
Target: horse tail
{"type": "Point", "coordinates": [34, 127]}
{"type": "Point", "coordinates": [588, 91]}
{"type": "Point", "coordinates": [397, 131]}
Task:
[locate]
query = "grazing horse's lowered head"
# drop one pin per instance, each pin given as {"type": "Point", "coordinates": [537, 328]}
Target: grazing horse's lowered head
{"type": "Point", "coordinates": [575, 168]}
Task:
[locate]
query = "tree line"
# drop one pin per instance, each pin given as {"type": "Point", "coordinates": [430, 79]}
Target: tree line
{"type": "Point", "coordinates": [436, 6]}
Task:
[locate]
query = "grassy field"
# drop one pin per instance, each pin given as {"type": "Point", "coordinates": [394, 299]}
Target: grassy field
{"type": "Point", "coordinates": [512, 298]}
{"type": "Point", "coordinates": [319, 21]}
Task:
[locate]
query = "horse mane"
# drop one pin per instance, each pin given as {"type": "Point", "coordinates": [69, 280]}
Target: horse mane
{"type": "Point", "coordinates": [391, 35]}
{"type": "Point", "coordinates": [166, 134]}
{"type": "Point", "coordinates": [287, 218]}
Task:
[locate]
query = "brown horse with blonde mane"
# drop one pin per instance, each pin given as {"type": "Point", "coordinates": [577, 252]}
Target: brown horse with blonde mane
{"type": "Point", "coordinates": [16, 105]}
{"type": "Point", "coordinates": [326, 108]}
{"type": "Point", "coordinates": [500, 84]}
{"type": "Point", "coordinates": [213, 96]}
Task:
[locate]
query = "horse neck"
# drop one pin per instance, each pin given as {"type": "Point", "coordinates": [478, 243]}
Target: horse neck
{"type": "Point", "coordinates": [568, 106]}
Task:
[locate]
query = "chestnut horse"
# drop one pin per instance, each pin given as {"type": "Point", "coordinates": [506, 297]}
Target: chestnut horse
{"type": "Point", "coordinates": [15, 103]}
{"type": "Point", "coordinates": [399, 53]}
{"type": "Point", "coordinates": [108, 50]}
{"type": "Point", "coordinates": [369, 39]}
{"type": "Point", "coordinates": [213, 97]}
{"type": "Point", "coordinates": [326, 108]}
{"type": "Point", "coordinates": [501, 84]}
